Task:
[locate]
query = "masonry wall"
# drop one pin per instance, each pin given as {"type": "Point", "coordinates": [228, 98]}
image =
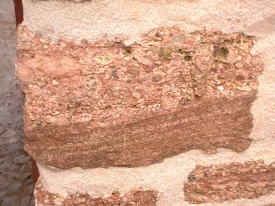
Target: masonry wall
{"type": "Point", "coordinates": [149, 102]}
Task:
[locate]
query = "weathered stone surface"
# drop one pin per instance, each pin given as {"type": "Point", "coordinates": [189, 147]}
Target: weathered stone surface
{"type": "Point", "coordinates": [227, 182]}
{"type": "Point", "coordinates": [135, 197]}
{"type": "Point", "coordinates": [106, 104]}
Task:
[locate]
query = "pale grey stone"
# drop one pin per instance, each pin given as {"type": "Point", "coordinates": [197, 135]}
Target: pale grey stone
{"type": "Point", "coordinates": [9, 201]}
{"type": "Point", "coordinates": [26, 200]}
{"type": "Point", "coordinates": [14, 186]}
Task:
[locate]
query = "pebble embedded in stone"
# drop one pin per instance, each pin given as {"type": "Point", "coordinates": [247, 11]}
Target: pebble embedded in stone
{"type": "Point", "coordinates": [220, 88]}
{"type": "Point", "coordinates": [157, 78]}
{"type": "Point", "coordinates": [244, 88]}
{"type": "Point", "coordinates": [184, 100]}
{"type": "Point", "coordinates": [103, 60]}
{"type": "Point", "coordinates": [165, 52]}
{"type": "Point", "coordinates": [55, 83]}
{"type": "Point", "coordinates": [239, 65]}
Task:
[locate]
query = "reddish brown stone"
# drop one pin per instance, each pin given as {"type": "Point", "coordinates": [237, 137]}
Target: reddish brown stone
{"type": "Point", "coordinates": [135, 197]}
{"type": "Point", "coordinates": [104, 104]}
{"type": "Point", "coordinates": [228, 182]}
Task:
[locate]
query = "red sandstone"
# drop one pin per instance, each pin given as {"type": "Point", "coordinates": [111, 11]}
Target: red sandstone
{"type": "Point", "coordinates": [228, 182]}
{"type": "Point", "coordinates": [105, 104]}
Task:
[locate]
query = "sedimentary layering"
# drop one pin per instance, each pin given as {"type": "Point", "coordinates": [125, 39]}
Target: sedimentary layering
{"type": "Point", "coordinates": [132, 106]}
{"type": "Point", "coordinates": [169, 103]}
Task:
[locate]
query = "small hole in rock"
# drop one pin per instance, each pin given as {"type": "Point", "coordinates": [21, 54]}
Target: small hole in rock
{"type": "Point", "coordinates": [221, 52]}
{"type": "Point", "coordinates": [128, 50]}
{"type": "Point", "coordinates": [188, 58]}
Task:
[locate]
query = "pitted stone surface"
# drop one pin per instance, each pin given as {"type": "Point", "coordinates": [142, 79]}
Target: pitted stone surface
{"type": "Point", "coordinates": [135, 105]}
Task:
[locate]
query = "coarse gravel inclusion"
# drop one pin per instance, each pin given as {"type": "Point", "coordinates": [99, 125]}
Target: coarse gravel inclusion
{"type": "Point", "coordinates": [118, 96]}
{"type": "Point", "coordinates": [231, 16]}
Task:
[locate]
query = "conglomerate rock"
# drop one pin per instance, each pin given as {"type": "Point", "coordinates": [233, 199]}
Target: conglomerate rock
{"type": "Point", "coordinates": [132, 198]}
{"type": "Point", "coordinates": [101, 104]}
{"type": "Point", "coordinates": [231, 181]}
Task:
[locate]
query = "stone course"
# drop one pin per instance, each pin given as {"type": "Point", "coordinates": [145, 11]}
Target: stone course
{"type": "Point", "coordinates": [132, 198]}
{"type": "Point", "coordinates": [227, 182]}
{"type": "Point", "coordinates": [117, 99]}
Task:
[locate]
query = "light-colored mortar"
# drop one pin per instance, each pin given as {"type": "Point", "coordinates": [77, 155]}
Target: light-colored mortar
{"type": "Point", "coordinates": [91, 20]}
{"type": "Point", "coordinates": [98, 18]}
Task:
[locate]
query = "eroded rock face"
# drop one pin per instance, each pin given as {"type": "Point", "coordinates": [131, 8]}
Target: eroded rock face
{"type": "Point", "coordinates": [134, 197]}
{"type": "Point", "coordinates": [105, 104]}
{"type": "Point", "coordinates": [228, 182]}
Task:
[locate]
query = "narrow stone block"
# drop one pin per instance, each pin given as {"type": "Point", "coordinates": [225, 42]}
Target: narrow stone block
{"type": "Point", "coordinates": [134, 197]}
{"type": "Point", "coordinates": [227, 182]}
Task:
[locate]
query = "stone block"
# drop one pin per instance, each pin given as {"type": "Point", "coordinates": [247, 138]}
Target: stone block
{"type": "Point", "coordinates": [132, 198]}
{"type": "Point", "coordinates": [105, 104]}
{"type": "Point", "coordinates": [219, 183]}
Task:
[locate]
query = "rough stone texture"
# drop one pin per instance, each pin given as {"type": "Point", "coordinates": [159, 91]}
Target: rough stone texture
{"type": "Point", "coordinates": [129, 106]}
{"type": "Point", "coordinates": [99, 19]}
{"type": "Point", "coordinates": [132, 198]}
{"type": "Point", "coordinates": [15, 166]}
{"type": "Point", "coordinates": [231, 181]}
{"type": "Point", "coordinates": [96, 19]}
